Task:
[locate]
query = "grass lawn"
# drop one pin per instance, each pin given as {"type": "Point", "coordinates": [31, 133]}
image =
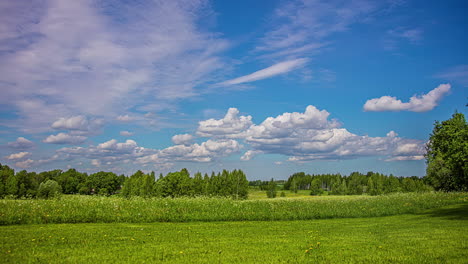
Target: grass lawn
{"type": "Point", "coordinates": [435, 236]}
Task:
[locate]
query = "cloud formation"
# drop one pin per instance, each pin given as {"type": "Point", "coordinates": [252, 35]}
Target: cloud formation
{"type": "Point", "coordinates": [422, 103]}
{"type": "Point", "coordinates": [301, 27]}
{"type": "Point", "coordinates": [309, 136]}
{"type": "Point", "coordinates": [94, 59]}
{"type": "Point", "coordinates": [231, 126]}
{"type": "Point", "coordinates": [126, 133]}
{"type": "Point", "coordinates": [276, 69]}
{"type": "Point", "coordinates": [64, 138]}
{"type": "Point", "coordinates": [18, 156]}
{"type": "Point", "coordinates": [182, 139]}
{"type": "Point", "coordinates": [21, 143]}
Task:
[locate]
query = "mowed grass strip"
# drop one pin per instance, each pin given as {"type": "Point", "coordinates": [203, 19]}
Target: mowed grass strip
{"type": "Point", "coordinates": [95, 209]}
{"type": "Point", "coordinates": [437, 236]}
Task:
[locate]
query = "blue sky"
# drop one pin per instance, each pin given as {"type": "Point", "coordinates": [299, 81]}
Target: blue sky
{"type": "Point", "coordinates": [270, 87]}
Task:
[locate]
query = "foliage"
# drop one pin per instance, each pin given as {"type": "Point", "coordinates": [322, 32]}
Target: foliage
{"type": "Point", "coordinates": [271, 190]}
{"type": "Point", "coordinates": [447, 154]}
{"type": "Point", "coordinates": [355, 184]}
{"type": "Point", "coordinates": [49, 189]}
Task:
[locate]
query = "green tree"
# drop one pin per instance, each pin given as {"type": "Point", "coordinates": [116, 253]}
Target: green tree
{"type": "Point", "coordinates": [11, 185]}
{"type": "Point", "coordinates": [271, 189]}
{"type": "Point", "coordinates": [316, 187]}
{"type": "Point", "coordinates": [447, 154]}
{"type": "Point", "coordinates": [49, 189]}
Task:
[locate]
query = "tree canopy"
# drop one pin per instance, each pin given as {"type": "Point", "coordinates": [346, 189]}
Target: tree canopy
{"type": "Point", "coordinates": [447, 154]}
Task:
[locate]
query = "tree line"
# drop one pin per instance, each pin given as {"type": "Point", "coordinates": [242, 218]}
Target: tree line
{"type": "Point", "coordinates": [175, 184]}
{"type": "Point", "coordinates": [355, 184]}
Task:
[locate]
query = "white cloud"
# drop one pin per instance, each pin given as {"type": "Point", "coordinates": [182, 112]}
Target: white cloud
{"type": "Point", "coordinates": [423, 103]}
{"type": "Point", "coordinates": [125, 118]}
{"type": "Point", "coordinates": [231, 126]}
{"type": "Point", "coordinates": [248, 155]}
{"type": "Point", "coordinates": [29, 162]}
{"type": "Point", "coordinates": [126, 133]}
{"type": "Point", "coordinates": [310, 136]}
{"type": "Point", "coordinates": [72, 123]}
{"type": "Point", "coordinates": [402, 158]}
{"type": "Point", "coordinates": [113, 145]}
{"type": "Point", "coordinates": [277, 69]}
{"type": "Point", "coordinates": [78, 124]}
{"type": "Point", "coordinates": [64, 138]}
{"type": "Point", "coordinates": [21, 143]}
{"type": "Point", "coordinates": [182, 139]}
{"type": "Point", "coordinates": [297, 24]}
{"type": "Point", "coordinates": [62, 59]}
{"type": "Point", "coordinates": [19, 155]}
{"type": "Point", "coordinates": [204, 152]}
{"type": "Point", "coordinates": [24, 164]}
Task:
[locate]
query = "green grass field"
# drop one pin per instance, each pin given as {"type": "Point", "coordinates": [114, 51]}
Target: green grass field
{"type": "Point", "coordinates": [399, 228]}
{"type": "Point", "coordinates": [436, 236]}
{"type": "Point", "coordinates": [98, 209]}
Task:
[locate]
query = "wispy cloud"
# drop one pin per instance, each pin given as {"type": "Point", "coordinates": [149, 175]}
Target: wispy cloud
{"type": "Point", "coordinates": [457, 74]}
{"type": "Point", "coordinates": [396, 37]}
{"type": "Point", "coordinates": [422, 103]}
{"type": "Point", "coordinates": [302, 27]}
{"type": "Point", "coordinates": [276, 69]}
{"type": "Point", "coordinates": [84, 58]}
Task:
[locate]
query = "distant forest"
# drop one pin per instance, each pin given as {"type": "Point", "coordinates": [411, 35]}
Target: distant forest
{"type": "Point", "coordinates": [232, 184]}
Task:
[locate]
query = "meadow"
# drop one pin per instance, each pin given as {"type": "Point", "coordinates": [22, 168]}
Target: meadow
{"type": "Point", "coordinates": [396, 228]}
{"type": "Point", "coordinates": [434, 236]}
{"type": "Point", "coordinates": [101, 209]}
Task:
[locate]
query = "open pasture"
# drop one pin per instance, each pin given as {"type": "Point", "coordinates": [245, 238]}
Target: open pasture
{"type": "Point", "coordinates": [435, 236]}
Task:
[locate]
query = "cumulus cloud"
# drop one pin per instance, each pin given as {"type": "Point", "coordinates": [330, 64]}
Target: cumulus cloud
{"type": "Point", "coordinates": [72, 123]}
{"type": "Point", "coordinates": [310, 136]}
{"type": "Point", "coordinates": [231, 126]}
{"type": "Point", "coordinates": [422, 103]}
{"type": "Point", "coordinates": [113, 145]}
{"type": "Point", "coordinates": [248, 155]}
{"type": "Point", "coordinates": [21, 143]}
{"type": "Point", "coordinates": [205, 152]}
{"type": "Point", "coordinates": [182, 139]}
{"type": "Point", "coordinates": [126, 133]}
{"type": "Point", "coordinates": [277, 69]}
{"type": "Point", "coordinates": [64, 138]}
{"type": "Point", "coordinates": [78, 125]}
{"type": "Point", "coordinates": [17, 156]}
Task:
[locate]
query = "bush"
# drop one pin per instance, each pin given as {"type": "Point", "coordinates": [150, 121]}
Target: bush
{"type": "Point", "coordinates": [49, 189]}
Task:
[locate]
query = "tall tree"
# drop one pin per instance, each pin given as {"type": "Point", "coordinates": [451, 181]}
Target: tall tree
{"type": "Point", "coordinates": [271, 189]}
{"type": "Point", "coordinates": [447, 154]}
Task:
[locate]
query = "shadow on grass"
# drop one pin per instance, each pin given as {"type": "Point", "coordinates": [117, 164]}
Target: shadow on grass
{"type": "Point", "coordinates": [454, 212]}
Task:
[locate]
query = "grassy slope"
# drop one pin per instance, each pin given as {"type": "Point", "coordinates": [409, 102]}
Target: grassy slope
{"type": "Point", "coordinates": [437, 236]}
